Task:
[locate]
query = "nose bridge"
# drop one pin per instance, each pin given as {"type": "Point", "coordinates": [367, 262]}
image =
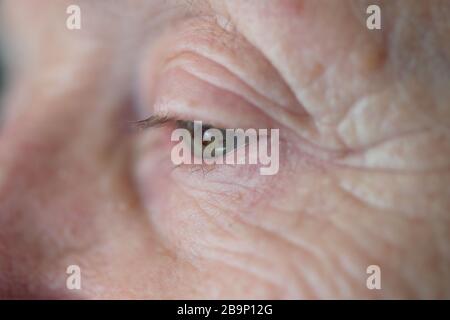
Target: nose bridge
{"type": "Point", "coordinates": [55, 152]}
{"type": "Point", "coordinates": [43, 186]}
{"type": "Point", "coordinates": [26, 172]}
{"type": "Point", "coordinates": [40, 138]}
{"type": "Point", "coordinates": [28, 162]}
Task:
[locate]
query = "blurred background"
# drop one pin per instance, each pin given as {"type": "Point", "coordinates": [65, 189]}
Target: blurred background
{"type": "Point", "coordinates": [2, 72]}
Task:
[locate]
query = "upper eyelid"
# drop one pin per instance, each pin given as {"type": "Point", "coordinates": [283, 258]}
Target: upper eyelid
{"type": "Point", "coordinates": [156, 121]}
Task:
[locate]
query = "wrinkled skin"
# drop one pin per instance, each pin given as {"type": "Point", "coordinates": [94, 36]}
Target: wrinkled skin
{"type": "Point", "coordinates": [364, 150]}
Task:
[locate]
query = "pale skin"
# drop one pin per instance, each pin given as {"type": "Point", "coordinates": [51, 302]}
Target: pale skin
{"type": "Point", "coordinates": [364, 150]}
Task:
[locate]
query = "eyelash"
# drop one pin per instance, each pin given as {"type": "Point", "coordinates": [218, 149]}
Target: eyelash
{"type": "Point", "coordinates": [154, 121]}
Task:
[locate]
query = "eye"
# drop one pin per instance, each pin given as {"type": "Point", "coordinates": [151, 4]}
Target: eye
{"type": "Point", "coordinates": [210, 138]}
{"type": "Point", "coordinates": [205, 142]}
